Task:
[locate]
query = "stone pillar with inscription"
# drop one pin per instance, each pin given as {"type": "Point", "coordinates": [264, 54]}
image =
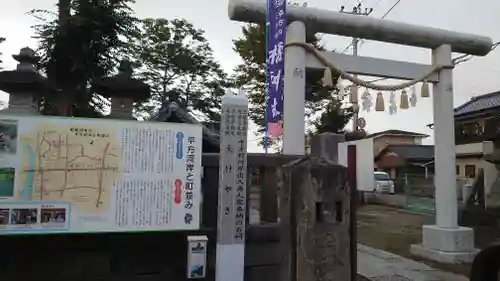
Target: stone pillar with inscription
{"type": "Point", "coordinates": [230, 261]}
{"type": "Point", "coordinates": [24, 84]}
{"type": "Point", "coordinates": [123, 91]}
{"type": "Point", "coordinates": [315, 202]}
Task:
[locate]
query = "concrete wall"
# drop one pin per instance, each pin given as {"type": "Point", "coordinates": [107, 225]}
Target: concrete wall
{"type": "Point", "coordinates": [490, 173]}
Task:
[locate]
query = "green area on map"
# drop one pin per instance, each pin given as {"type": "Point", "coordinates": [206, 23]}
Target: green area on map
{"type": "Point", "coordinates": [7, 182]}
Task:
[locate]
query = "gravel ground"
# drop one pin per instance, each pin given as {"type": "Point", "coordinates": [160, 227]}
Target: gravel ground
{"type": "Point", "coordinates": [361, 278]}
{"type": "Point", "coordinates": [394, 230]}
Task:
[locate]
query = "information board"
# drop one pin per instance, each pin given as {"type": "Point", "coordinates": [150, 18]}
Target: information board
{"type": "Point", "coordinates": [75, 175]}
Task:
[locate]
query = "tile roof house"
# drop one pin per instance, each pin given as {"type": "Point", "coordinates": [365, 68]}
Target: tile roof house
{"type": "Point", "coordinates": [479, 105]}
{"type": "Point", "coordinates": [172, 111]}
{"type": "Point", "coordinates": [405, 159]}
{"type": "Point", "coordinates": [389, 137]}
{"type": "Point", "coordinates": [477, 122]}
{"type": "Point", "coordinates": [478, 119]}
{"type": "Point", "coordinates": [396, 133]}
{"type": "Point", "coordinates": [413, 154]}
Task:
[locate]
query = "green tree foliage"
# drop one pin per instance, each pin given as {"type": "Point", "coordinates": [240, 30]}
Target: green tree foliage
{"type": "Point", "coordinates": [2, 39]}
{"type": "Point", "coordinates": [334, 118]}
{"type": "Point", "coordinates": [176, 59]}
{"type": "Point", "coordinates": [356, 135]}
{"type": "Point", "coordinates": [80, 44]}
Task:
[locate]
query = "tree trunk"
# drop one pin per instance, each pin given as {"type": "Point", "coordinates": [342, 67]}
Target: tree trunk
{"type": "Point", "coordinates": [63, 103]}
{"type": "Point", "coordinates": [64, 11]}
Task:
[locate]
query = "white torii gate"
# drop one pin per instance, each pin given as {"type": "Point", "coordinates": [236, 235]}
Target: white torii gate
{"type": "Point", "coordinates": [445, 241]}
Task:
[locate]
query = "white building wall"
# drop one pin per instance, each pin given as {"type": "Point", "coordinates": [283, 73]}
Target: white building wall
{"type": "Point", "coordinates": [364, 159]}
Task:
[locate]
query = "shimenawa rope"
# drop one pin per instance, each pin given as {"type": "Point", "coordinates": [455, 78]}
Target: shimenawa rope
{"type": "Point", "coordinates": [309, 48]}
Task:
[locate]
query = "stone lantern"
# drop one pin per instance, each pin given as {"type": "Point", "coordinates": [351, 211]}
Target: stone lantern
{"type": "Point", "coordinates": [123, 90]}
{"type": "Point", "coordinates": [24, 84]}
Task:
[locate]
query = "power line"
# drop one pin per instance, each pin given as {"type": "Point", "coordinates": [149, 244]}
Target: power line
{"type": "Point", "coordinates": [390, 10]}
{"type": "Point", "coordinates": [376, 4]}
{"type": "Point", "coordinates": [463, 58]}
{"type": "Point", "coordinates": [495, 45]}
{"type": "Point", "coordinates": [383, 17]}
{"type": "Point", "coordinates": [458, 60]}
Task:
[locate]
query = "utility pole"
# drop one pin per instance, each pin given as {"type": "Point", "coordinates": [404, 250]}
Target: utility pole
{"type": "Point", "coordinates": [358, 11]}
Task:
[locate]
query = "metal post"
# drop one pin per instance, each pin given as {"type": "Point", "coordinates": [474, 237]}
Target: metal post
{"type": "Point", "coordinates": [230, 256]}
{"type": "Point", "coordinates": [354, 203]}
{"type": "Point", "coordinates": [355, 115]}
{"type": "Point", "coordinates": [357, 10]}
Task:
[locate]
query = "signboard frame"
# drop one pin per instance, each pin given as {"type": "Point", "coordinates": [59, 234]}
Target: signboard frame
{"type": "Point", "coordinates": [140, 176]}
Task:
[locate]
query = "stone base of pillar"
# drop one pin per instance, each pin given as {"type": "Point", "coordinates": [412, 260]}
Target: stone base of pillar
{"type": "Point", "coordinates": [446, 245]}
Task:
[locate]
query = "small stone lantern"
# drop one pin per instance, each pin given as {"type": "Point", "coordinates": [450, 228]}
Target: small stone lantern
{"type": "Point", "coordinates": [24, 84]}
{"type": "Point", "coordinates": [123, 91]}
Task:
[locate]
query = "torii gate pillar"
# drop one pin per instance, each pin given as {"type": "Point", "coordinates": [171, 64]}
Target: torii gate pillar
{"type": "Point", "coordinates": [445, 241]}
{"type": "Point", "coordinates": [294, 97]}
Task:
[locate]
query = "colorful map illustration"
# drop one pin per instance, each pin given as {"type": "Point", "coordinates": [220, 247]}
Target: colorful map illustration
{"type": "Point", "coordinates": [73, 164]}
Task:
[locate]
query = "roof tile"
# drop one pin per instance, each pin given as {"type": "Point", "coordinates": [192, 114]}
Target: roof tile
{"type": "Point", "coordinates": [396, 132]}
{"type": "Point", "coordinates": [479, 103]}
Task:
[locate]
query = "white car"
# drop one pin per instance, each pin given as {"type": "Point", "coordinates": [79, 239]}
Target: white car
{"type": "Point", "coordinates": [383, 183]}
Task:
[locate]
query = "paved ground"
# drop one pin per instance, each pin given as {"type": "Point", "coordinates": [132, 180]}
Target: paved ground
{"type": "Point", "coordinates": [378, 265]}
{"type": "Point", "coordinates": [394, 230]}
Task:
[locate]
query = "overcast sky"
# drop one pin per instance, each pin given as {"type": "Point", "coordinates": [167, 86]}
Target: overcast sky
{"type": "Point", "coordinates": [478, 76]}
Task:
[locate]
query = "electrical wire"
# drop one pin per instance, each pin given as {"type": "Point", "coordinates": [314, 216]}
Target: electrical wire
{"type": "Point", "coordinates": [390, 10]}
{"type": "Point", "coordinates": [345, 2]}
{"type": "Point", "coordinates": [463, 58]}
{"type": "Point", "coordinates": [495, 45]}
{"type": "Point", "coordinates": [383, 17]}
{"type": "Point", "coordinates": [376, 4]}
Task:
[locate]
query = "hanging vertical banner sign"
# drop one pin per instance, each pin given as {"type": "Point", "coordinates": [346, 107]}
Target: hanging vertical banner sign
{"type": "Point", "coordinates": [230, 257]}
{"type": "Point", "coordinates": [275, 66]}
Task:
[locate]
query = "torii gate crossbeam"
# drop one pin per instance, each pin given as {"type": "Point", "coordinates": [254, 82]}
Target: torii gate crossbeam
{"type": "Point", "coordinates": [332, 22]}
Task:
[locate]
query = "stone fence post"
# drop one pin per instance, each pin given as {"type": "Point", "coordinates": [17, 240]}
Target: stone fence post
{"type": "Point", "coordinates": [314, 207]}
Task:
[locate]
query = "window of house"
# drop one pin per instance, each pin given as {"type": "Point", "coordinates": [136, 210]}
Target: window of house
{"type": "Point", "coordinates": [479, 128]}
{"type": "Point", "coordinates": [464, 130]}
{"type": "Point", "coordinates": [458, 170]}
{"type": "Point", "coordinates": [470, 171]}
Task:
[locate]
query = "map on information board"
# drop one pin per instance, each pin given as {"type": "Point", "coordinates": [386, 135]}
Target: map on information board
{"type": "Point", "coordinates": [69, 164]}
{"type": "Point", "coordinates": [84, 175]}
